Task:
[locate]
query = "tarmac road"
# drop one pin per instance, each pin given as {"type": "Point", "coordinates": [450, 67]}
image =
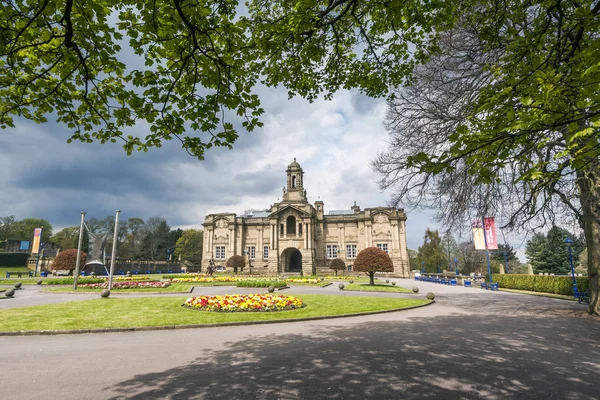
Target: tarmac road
{"type": "Point", "coordinates": [470, 344]}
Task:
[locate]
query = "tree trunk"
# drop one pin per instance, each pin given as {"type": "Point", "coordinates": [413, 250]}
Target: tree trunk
{"type": "Point", "coordinates": [372, 278]}
{"type": "Point", "coordinates": [589, 186]}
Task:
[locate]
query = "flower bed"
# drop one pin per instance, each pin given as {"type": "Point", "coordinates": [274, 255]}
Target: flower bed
{"type": "Point", "coordinates": [244, 303]}
{"type": "Point", "coordinates": [302, 280]}
{"type": "Point", "coordinates": [277, 284]}
{"type": "Point", "coordinates": [127, 285]}
{"type": "Point", "coordinates": [232, 279]}
{"type": "Point", "coordinates": [340, 277]}
{"type": "Point", "coordinates": [130, 278]}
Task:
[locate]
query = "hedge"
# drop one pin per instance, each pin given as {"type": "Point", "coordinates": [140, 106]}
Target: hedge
{"type": "Point", "coordinates": [13, 259]}
{"type": "Point", "coordinates": [542, 283]}
{"type": "Point", "coordinates": [261, 284]}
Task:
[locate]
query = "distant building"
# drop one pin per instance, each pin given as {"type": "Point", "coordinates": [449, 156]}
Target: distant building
{"type": "Point", "coordinates": [295, 236]}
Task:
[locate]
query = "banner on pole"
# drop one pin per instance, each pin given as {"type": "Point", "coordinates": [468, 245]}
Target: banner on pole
{"type": "Point", "coordinates": [37, 238]}
{"type": "Point", "coordinates": [490, 234]}
{"type": "Point", "coordinates": [478, 239]}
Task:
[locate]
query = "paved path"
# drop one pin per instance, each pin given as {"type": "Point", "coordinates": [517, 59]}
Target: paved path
{"type": "Point", "coordinates": [471, 344]}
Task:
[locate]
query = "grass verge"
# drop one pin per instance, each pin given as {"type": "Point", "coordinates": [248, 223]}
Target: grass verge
{"type": "Point", "coordinates": [376, 288]}
{"type": "Point", "coordinates": [542, 294]}
{"type": "Point", "coordinates": [167, 311]}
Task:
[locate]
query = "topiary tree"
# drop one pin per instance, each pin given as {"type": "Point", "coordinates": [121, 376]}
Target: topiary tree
{"type": "Point", "coordinates": [371, 260]}
{"type": "Point", "coordinates": [236, 262]}
{"type": "Point", "coordinates": [337, 265]}
{"type": "Point", "coordinates": [65, 260]}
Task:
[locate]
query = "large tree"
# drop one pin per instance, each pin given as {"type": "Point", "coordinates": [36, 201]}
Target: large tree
{"type": "Point", "coordinates": [371, 260]}
{"type": "Point", "coordinates": [189, 247]}
{"type": "Point", "coordinates": [431, 254]}
{"type": "Point", "coordinates": [192, 67]}
{"type": "Point", "coordinates": [155, 236]}
{"type": "Point", "coordinates": [549, 253]}
{"type": "Point", "coordinates": [25, 228]}
{"type": "Point", "coordinates": [66, 238]}
{"type": "Point", "coordinates": [504, 120]}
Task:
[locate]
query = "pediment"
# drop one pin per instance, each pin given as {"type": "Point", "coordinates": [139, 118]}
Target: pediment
{"type": "Point", "coordinates": [288, 208]}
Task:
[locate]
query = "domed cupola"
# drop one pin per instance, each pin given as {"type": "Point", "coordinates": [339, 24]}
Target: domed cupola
{"type": "Point", "coordinates": [294, 191]}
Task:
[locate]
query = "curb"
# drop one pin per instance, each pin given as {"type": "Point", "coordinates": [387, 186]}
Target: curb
{"type": "Point", "coordinates": [196, 326]}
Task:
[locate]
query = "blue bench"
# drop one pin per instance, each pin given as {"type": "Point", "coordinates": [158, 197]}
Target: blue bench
{"type": "Point", "coordinates": [20, 273]}
{"type": "Point", "coordinates": [582, 296]}
{"type": "Point", "coordinates": [491, 286]}
{"type": "Point", "coordinates": [467, 283]}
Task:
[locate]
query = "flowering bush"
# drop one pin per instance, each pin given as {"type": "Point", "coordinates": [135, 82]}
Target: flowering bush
{"type": "Point", "coordinates": [130, 278]}
{"type": "Point", "coordinates": [233, 279]}
{"type": "Point", "coordinates": [127, 285]}
{"type": "Point", "coordinates": [345, 277]}
{"type": "Point", "coordinates": [302, 280]}
{"type": "Point", "coordinates": [277, 284]}
{"type": "Point", "coordinates": [244, 303]}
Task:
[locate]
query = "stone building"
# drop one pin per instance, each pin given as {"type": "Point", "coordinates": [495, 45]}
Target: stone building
{"type": "Point", "coordinates": [295, 236]}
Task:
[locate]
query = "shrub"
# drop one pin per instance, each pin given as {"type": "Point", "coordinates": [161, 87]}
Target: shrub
{"type": "Point", "coordinates": [337, 265]}
{"type": "Point", "coordinates": [542, 283]}
{"type": "Point", "coordinates": [65, 260]}
{"type": "Point", "coordinates": [371, 260]}
{"type": "Point", "coordinates": [13, 259]}
{"type": "Point", "coordinates": [236, 262]}
{"type": "Point", "coordinates": [69, 281]}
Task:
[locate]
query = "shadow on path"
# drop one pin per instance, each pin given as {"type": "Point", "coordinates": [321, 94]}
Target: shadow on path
{"type": "Point", "coordinates": [449, 357]}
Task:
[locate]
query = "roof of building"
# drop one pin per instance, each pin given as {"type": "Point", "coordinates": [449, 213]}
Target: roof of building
{"type": "Point", "coordinates": [341, 212]}
{"type": "Point", "coordinates": [258, 214]}
{"type": "Point", "coordinates": [294, 164]}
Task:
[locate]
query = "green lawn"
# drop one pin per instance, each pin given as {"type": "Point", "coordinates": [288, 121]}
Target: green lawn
{"type": "Point", "coordinates": [378, 287]}
{"type": "Point", "coordinates": [174, 288]}
{"type": "Point", "coordinates": [167, 311]}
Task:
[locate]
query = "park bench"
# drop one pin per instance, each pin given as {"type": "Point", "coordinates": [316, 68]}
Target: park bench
{"type": "Point", "coordinates": [582, 296]}
{"type": "Point", "coordinates": [467, 283]}
{"type": "Point", "coordinates": [491, 286]}
{"type": "Point", "coordinates": [20, 273]}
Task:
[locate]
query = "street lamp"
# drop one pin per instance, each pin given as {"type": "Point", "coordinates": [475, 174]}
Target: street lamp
{"type": "Point", "coordinates": [569, 242]}
{"type": "Point", "coordinates": [422, 267]}
{"type": "Point", "coordinates": [456, 265]}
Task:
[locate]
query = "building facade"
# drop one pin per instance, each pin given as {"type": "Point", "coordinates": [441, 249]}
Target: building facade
{"type": "Point", "coordinates": [294, 236]}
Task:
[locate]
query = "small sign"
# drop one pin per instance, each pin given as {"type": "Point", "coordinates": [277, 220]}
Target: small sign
{"type": "Point", "coordinates": [24, 245]}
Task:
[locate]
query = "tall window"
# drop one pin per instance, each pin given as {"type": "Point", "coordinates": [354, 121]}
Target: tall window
{"type": "Point", "coordinates": [251, 252]}
{"type": "Point", "coordinates": [300, 229]}
{"type": "Point", "coordinates": [332, 250]}
{"type": "Point", "coordinates": [266, 252]}
{"type": "Point", "coordinates": [219, 252]}
{"type": "Point", "coordinates": [350, 251]}
{"type": "Point", "coordinates": [281, 229]}
{"type": "Point", "coordinates": [291, 225]}
{"type": "Point", "coordinates": [293, 181]}
{"type": "Point", "coordinates": [383, 246]}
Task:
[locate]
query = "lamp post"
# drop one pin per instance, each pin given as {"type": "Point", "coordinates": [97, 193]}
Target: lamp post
{"type": "Point", "coordinates": [569, 242]}
{"type": "Point", "coordinates": [422, 267]}
{"type": "Point", "coordinates": [456, 265]}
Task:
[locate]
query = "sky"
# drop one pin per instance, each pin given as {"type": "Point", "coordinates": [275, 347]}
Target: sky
{"type": "Point", "coordinates": [333, 140]}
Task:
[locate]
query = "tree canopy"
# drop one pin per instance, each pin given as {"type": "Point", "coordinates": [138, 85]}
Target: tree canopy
{"type": "Point", "coordinates": [189, 246]}
{"type": "Point", "coordinates": [337, 264]}
{"type": "Point", "coordinates": [431, 254]}
{"type": "Point", "coordinates": [371, 260]}
{"type": "Point", "coordinates": [548, 253]}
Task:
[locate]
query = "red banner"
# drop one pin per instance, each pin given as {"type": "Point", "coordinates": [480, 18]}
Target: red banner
{"type": "Point", "coordinates": [490, 233]}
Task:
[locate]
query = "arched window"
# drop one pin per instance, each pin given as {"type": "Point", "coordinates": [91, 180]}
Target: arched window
{"type": "Point", "coordinates": [291, 225]}
{"type": "Point", "coordinates": [293, 181]}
